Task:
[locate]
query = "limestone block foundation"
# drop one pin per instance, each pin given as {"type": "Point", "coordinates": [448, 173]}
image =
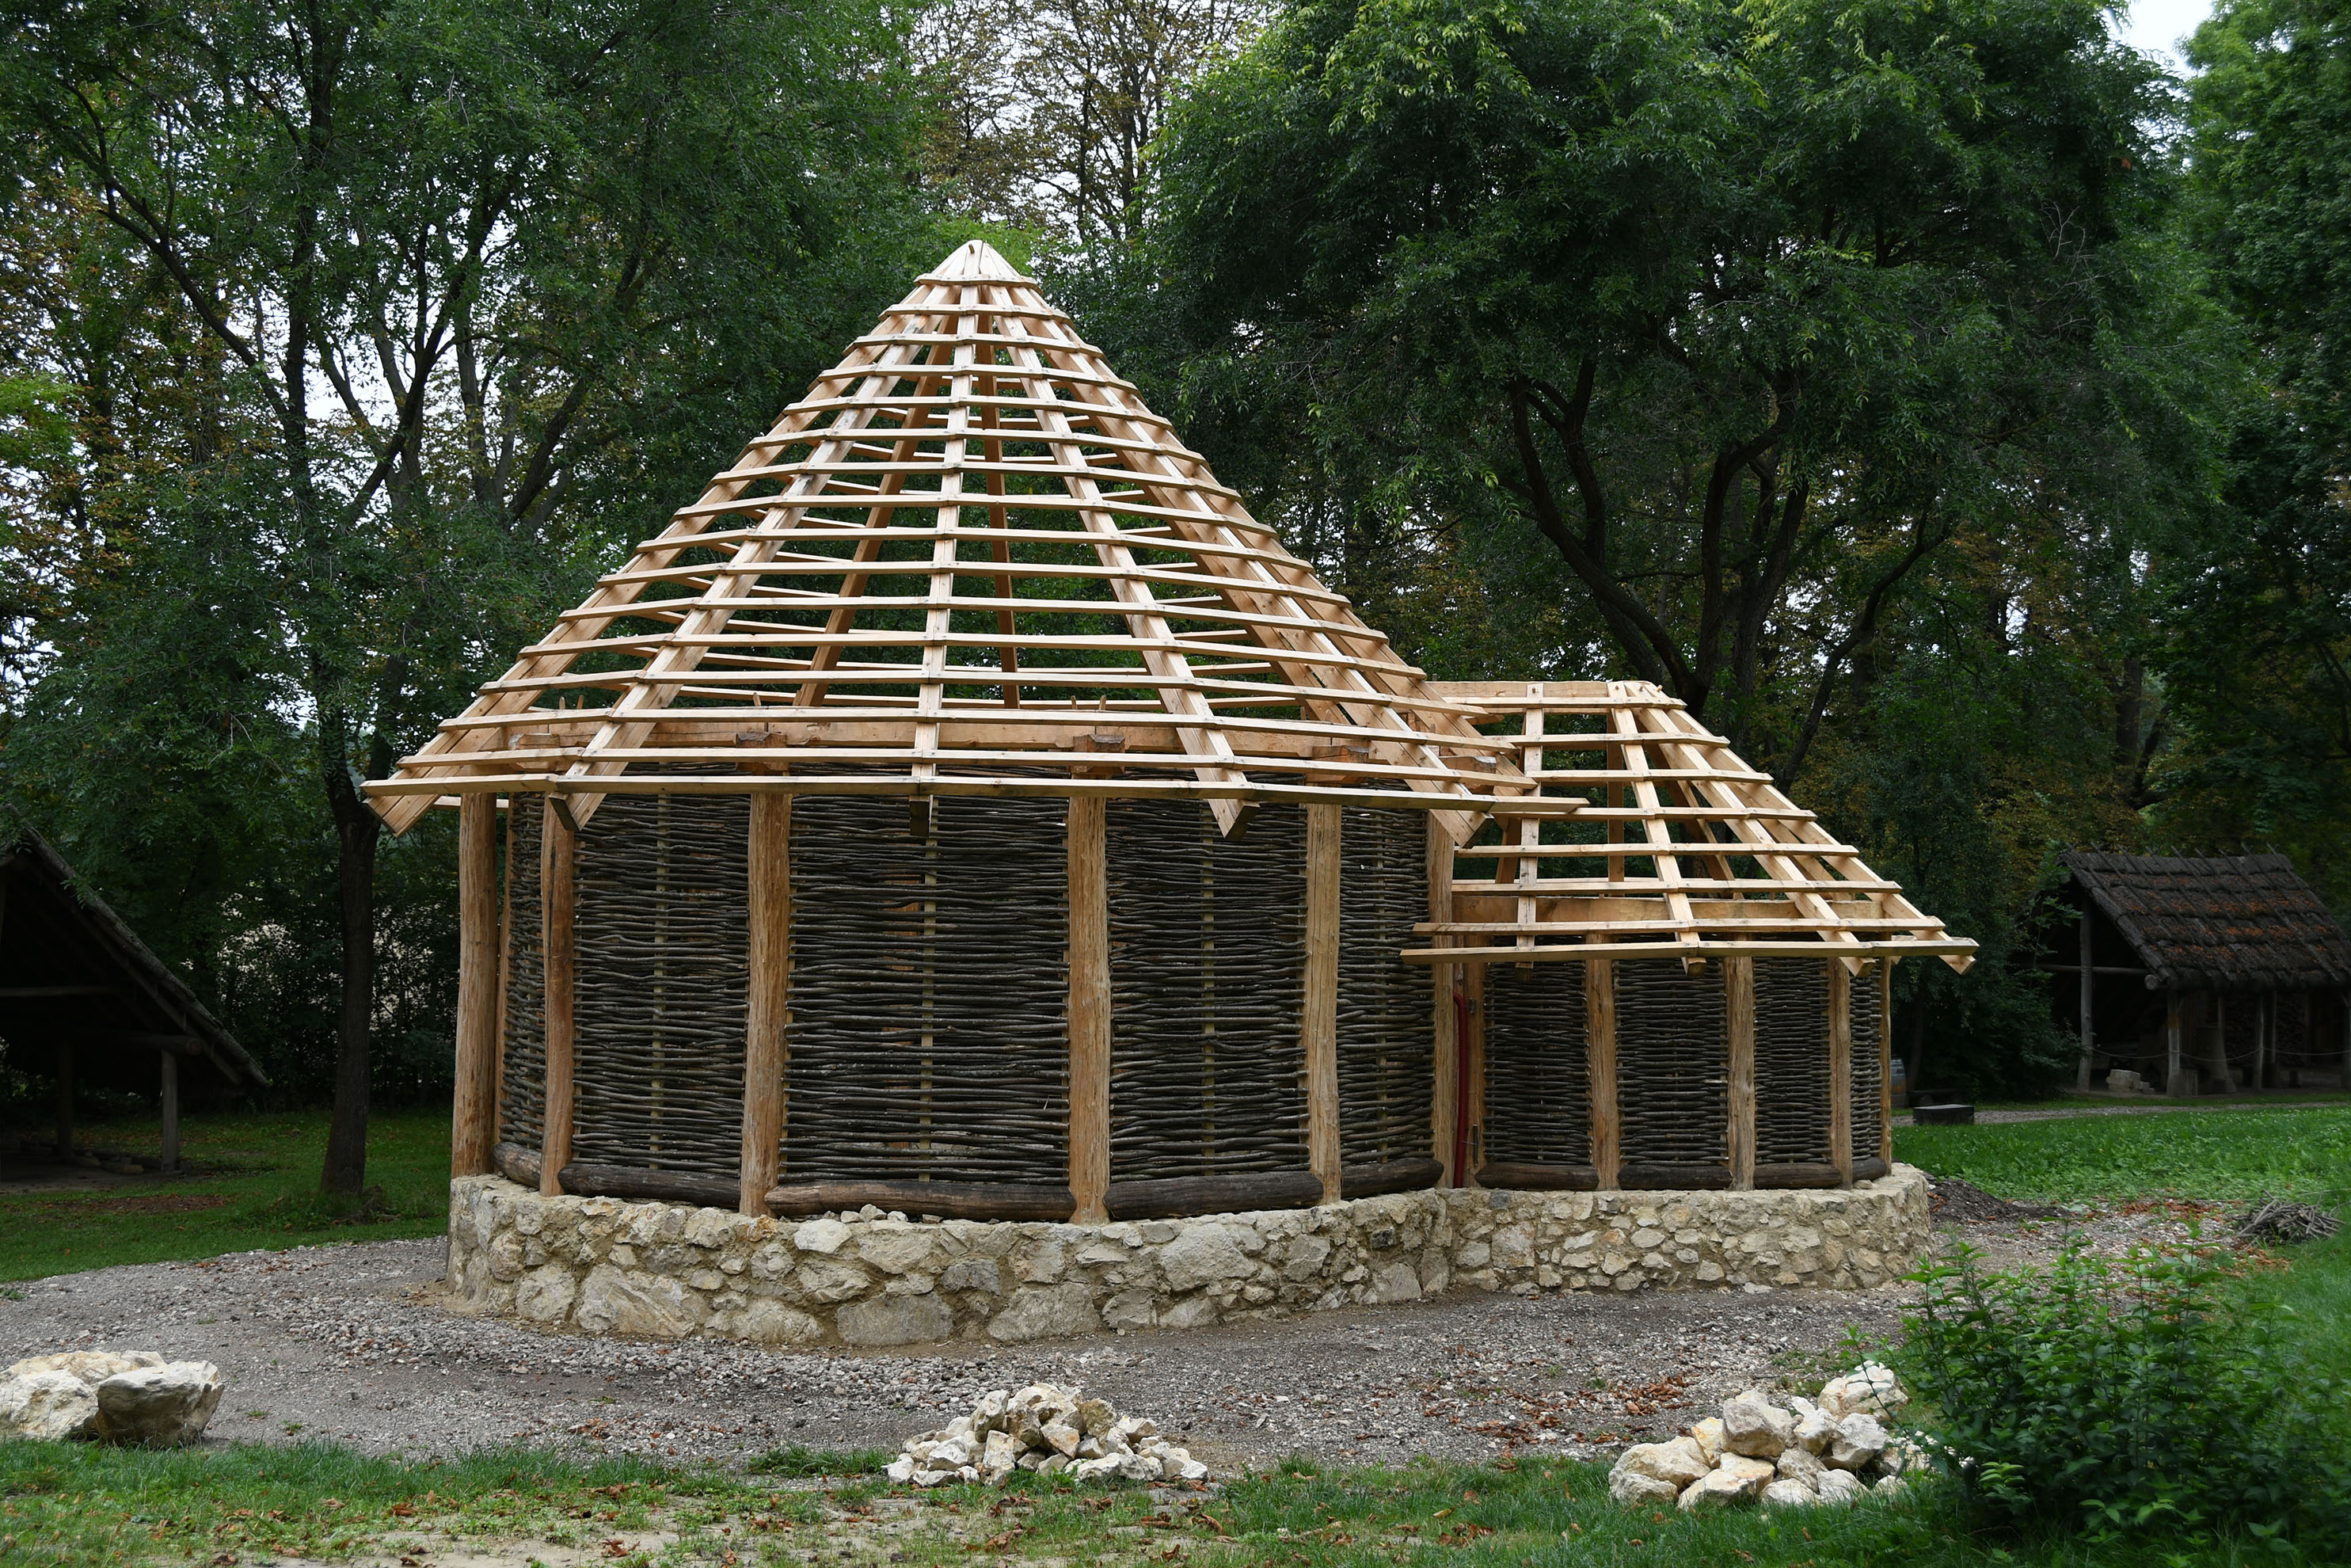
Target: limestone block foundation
{"type": "Point", "coordinates": [663, 1271]}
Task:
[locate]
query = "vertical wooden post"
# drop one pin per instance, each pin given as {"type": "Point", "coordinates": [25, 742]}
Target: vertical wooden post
{"type": "Point", "coordinates": [559, 893]}
{"type": "Point", "coordinates": [2171, 1065]}
{"type": "Point", "coordinates": [474, 1111]}
{"type": "Point", "coordinates": [1445, 1058]}
{"type": "Point", "coordinates": [64, 1096]}
{"type": "Point", "coordinates": [1738, 1017]}
{"type": "Point", "coordinates": [1600, 1059]}
{"type": "Point", "coordinates": [1319, 1028]}
{"type": "Point", "coordinates": [2082, 1073]}
{"type": "Point", "coordinates": [1473, 1057]}
{"type": "Point", "coordinates": [171, 1109]}
{"type": "Point", "coordinates": [2346, 1040]}
{"type": "Point", "coordinates": [1088, 1012]}
{"type": "Point", "coordinates": [767, 1007]}
{"type": "Point", "coordinates": [1885, 1060]}
{"type": "Point", "coordinates": [505, 980]}
{"type": "Point", "coordinates": [1841, 1070]}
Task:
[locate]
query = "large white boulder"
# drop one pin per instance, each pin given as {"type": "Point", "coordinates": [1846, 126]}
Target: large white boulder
{"type": "Point", "coordinates": [1840, 1486]}
{"type": "Point", "coordinates": [1677, 1463]}
{"type": "Point", "coordinates": [162, 1406]}
{"type": "Point", "coordinates": [48, 1406]}
{"type": "Point", "coordinates": [1784, 1493]}
{"type": "Point", "coordinates": [1737, 1478]}
{"type": "Point", "coordinates": [1870, 1387]}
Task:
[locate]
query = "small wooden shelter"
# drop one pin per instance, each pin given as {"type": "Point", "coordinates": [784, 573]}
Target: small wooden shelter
{"type": "Point", "coordinates": [1681, 984]}
{"type": "Point", "coordinates": [2204, 974]}
{"type": "Point", "coordinates": [83, 1000]}
{"type": "Point", "coordinates": [877, 829]}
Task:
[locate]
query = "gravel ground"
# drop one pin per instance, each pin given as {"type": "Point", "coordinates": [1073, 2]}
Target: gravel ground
{"type": "Point", "coordinates": [357, 1344]}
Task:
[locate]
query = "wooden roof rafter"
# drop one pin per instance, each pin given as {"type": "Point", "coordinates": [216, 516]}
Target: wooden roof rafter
{"type": "Point", "coordinates": [1733, 866]}
{"type": "Point", "coordinates": [970, 560]}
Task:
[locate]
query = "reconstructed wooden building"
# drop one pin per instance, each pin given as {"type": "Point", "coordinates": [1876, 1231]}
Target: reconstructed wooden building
{"type": "Point", "coordinates": [967, 807]}
{"type": "Point", "coordinates": [2204, 974]}
{"type": "Point", "coordinates": [83, 1001]}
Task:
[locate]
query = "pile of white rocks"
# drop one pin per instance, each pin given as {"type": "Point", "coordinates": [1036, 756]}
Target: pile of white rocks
{"type": "Point", "coordinates": [107, 1396]}
{"type": "Point", "coordinates": [1833, 1449]}
{"type": "Point", "coordinates": [1047, 1429]}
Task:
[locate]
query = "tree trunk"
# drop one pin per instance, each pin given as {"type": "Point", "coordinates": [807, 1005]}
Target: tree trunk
{"type": "Point", "coordinates": [357, 830]}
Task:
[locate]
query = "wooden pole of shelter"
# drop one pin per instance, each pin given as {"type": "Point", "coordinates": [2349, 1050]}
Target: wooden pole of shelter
{"type": "Point", "coordinates": [2082, 1072]}
{"type": "Point", "coordinates": [171, 1068]}
{"type": "Point", "coordinates": [767, 1051]}
{"type": "Point", "coordinates": [2171, 1067]}
{"type": "Point", "coordinates": [2346, 1040]}
{"type": "Point", "coordinates": [1600, 1059]}
{"type": "Point", "coordinates": [1319, 1025]}
{"type": "Point", "coordinates": [1473, 1137]}
{"type": "Point", "coordinates": [557, 860]}
{"type": "Point", "coordinates": [474, 1111]}
{"type": "Point", "coordinates": [1841, 1072]}
{"type": "Point", "coordinates": [1739, 1010]}
{"type": "Point", "coordinates": [1090, 1015]}
{"type": "Point", "coordinates": [1445, 1056]}
{"type": "Point", "coordinates": [65, 1095]}
{"type": "Point", "coordinates": [1886, 1061]}
{"type": "Point", "coordinates": [505, 973]}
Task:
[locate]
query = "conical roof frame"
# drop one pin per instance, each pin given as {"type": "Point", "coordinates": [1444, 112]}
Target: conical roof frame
{"type": "Point", "coordinates": [969, 560]}
{"type": "Point", "coordinates": [1678, 847]}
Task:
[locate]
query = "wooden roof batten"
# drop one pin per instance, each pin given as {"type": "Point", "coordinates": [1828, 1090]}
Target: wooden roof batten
{"type": "Point", "coordinates": [1733, 866]}
{"type": "Point", "coordinates": [969, 561]}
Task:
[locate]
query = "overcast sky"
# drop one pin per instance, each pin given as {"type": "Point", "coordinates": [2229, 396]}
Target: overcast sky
{"type": "Point", "coordinates": [2159, 26]}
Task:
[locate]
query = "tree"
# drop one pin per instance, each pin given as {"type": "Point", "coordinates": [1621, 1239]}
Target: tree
{"type": "Point", "coordinates": [1745, 313]}
{"type": "Point", "coordinates": [490, 241]}
{"type": "Point", "coordinates": [2258, 659]}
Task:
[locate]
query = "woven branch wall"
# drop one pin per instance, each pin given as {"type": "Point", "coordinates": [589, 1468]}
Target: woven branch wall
{"type": "Point", "coordinates": [1868, 1015]}
{"type": "Point", "coordinates": [1208, 982]}
{"type": "Point", "coordinates": [1673, 1064]}
{"type": "Point", "coordinates": [662, 950]}
{"type": "Point", "coordinates": [1387, 1049]}
{"type": "Point", "coordinates": [524, 1053]}
{"type": "Point", "coordinates": [929, 991]}
{"type": "Point", "coordinates": [1791, 1062]}
{"type": "Point", "coordinates": [1538, 1070]}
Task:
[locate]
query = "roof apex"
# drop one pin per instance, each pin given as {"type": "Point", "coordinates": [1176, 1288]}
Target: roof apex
{"type": "Point", "coordinates": [977, 258]}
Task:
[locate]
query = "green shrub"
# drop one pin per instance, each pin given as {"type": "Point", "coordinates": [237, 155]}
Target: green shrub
{"type": "Point", "coordinates": [2148, 1393]}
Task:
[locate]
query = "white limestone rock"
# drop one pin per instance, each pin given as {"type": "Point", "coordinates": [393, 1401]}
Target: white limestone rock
{"type": "Point", "coordinates": [165, 1406]}
{"type": "Point", "coordinates": [1800, 1465]}
{"type": "Point", "coordinates": [1632, 1488]}
{"type": "Point", "coordinates": [1784, 1493]}
{"type": "Point", "coordinates": [1840, 1486]}
{"type": "Point", "coordinates": [1753, 1426]}
{"type": "Point", "coordinates": [1677, 1463]}
{"type": "Point", "coordinates": [92, 1366]}
{"type": "Point", "coordinates": [48, 1406]}
{"type": "Point", "coordinates": [1736, 1480]}
{"type": "Point", "coordinates": [1871, 1388]}
{"type": "Point", "coordinates": [1708, 1435]}
{"type": "Point", "coordinates": [1858, 1442]}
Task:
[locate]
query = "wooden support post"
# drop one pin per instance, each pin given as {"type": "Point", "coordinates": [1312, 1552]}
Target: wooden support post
{"type": "Point", "coordinates": [1090, 1019]}
{"type": "Point", "coordinates": [1841, 1072]}
{"type": "Point", "coordinates": [2082, 1072]}
{"type": "Point", "coordinates": [1739, 1016]}
{"type": "Point", "coordinates": [2173, 1083]}
{"type": "Point", "coordinates": [1885, 1060]}
{"type": "Point", "coordinates": [1445, 1056]}
{"type": "Point", "coordinates": [1473, 1082]}
{"type": "Point", "coordinates": [2346, 1040]}
{"type": "Point", "coordinates": [64, 1096]}
{"type": "Point", "coordinates": [1600, 1060]}
{"type": "Point", "coordinates": [1319, 1026]}
{"type": "Point", "coordinates": [505, 972]}
{"type": "Point", "coordinates": [558, 892]}
{"type": "Point", "coordinates": [170, 1059]}
{"type": "Point", "coordinates": [766, 1010]}
{"type": "Point", "coordinates": [473, 1116]}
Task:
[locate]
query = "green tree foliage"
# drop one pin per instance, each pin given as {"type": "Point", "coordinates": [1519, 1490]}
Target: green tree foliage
{"type": "Point", "coordinates": [1756, 350]}
{"type": "Point", "coordinates": [385, 319]}
{"type": "Point", "coordinates": [2258, 655]}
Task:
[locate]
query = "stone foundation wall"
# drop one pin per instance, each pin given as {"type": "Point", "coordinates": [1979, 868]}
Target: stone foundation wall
{"type": "Point", "coordinates": [602, 1265]}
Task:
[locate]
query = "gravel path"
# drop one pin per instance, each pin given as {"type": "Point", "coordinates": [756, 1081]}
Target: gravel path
{"type": "Point", "coordinates": [355, 1344]}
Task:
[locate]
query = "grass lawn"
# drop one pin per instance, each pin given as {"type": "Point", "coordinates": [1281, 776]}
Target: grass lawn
{"type": "Point", "coordinates": [2302, 1151]}
{"type": "Point", "coordinates": [76, 1505]}
{"type": "Point", "coordinates": [256, 1184]}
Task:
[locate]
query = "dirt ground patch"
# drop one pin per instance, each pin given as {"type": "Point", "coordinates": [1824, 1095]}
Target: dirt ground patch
{"type": "Point", "coordinates": [356, 1344]}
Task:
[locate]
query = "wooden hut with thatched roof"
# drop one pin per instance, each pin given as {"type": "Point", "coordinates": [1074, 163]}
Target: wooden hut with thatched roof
{"type": "Point", "coordinates": [1684, 982]}
{"type": "Point", "coordinates": [83, 1001]}
{"type": "Point", "coordinates": [2203, 974]}
{"type": "Point", "coordinates": [965, 807]}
